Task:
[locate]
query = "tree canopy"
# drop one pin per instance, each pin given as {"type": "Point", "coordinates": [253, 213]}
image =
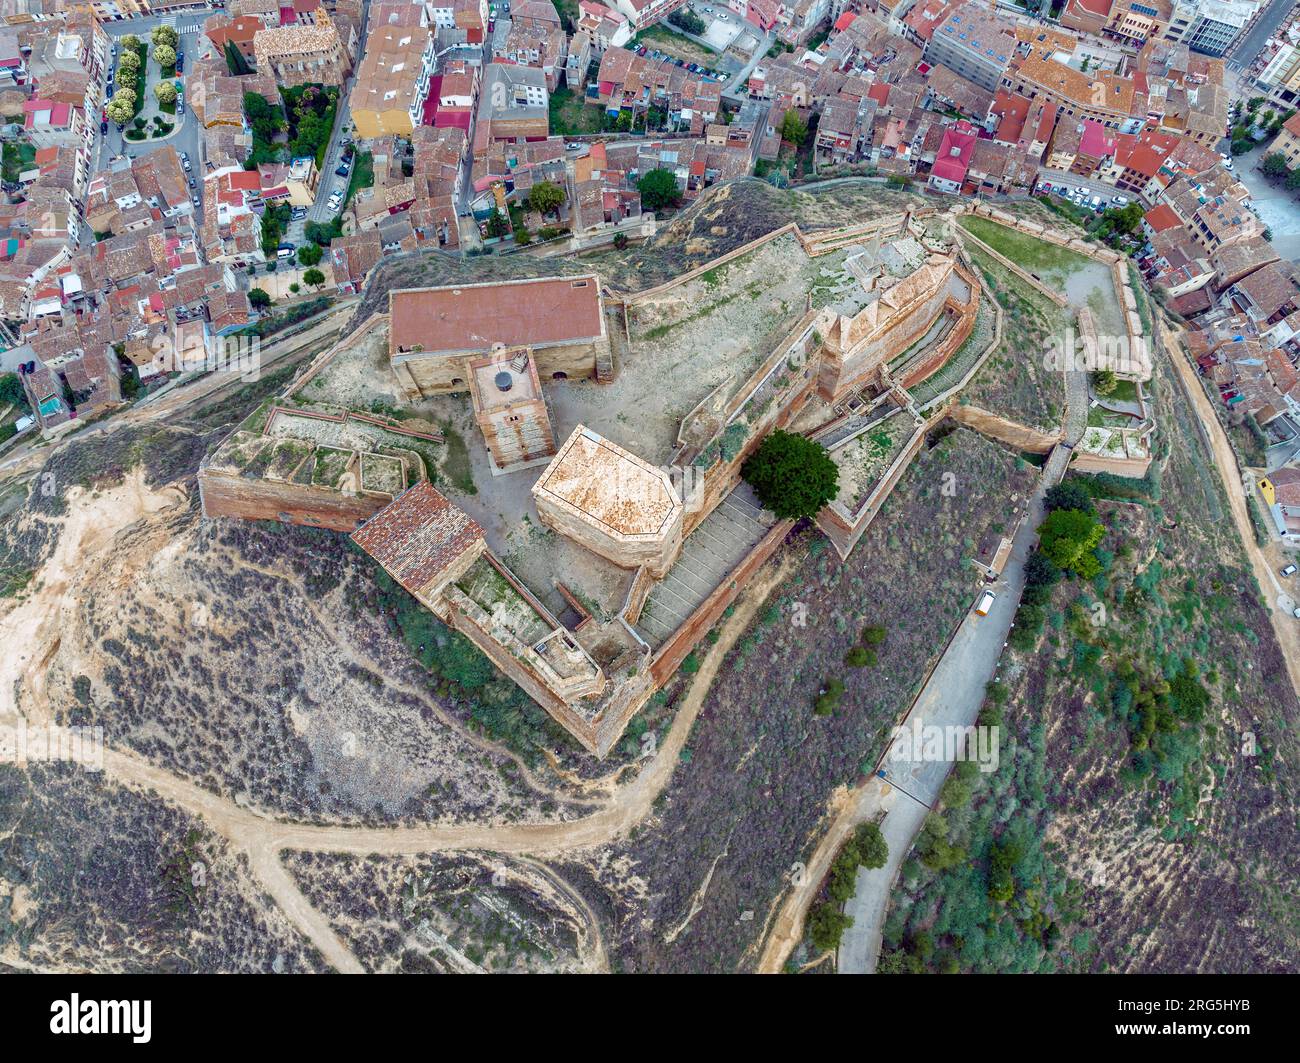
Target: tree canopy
{"type": "Point", "coordinates": [793, 128]}
{"type": "Point", "coordinates": [1069, 538]}
{"type": "Point", "coordinates": [546, 197]}
{"type": "Point", "coordinates": [314, 277]}
{"type": "Point", "coordinates": [165, 91]}
{"type": "Point", "coordinates": [259, 297]}
{"type": "Point", "coordinates": [658, 189]}
{"type": "Point", "coordinates": [793, 476]}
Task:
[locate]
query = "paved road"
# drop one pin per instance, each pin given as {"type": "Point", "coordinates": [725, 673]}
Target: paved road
{"type": "Point", "coordinates": [186, 138]}
{"type": "Point", "coordinates": [952, 696]}
{"type": "Point", "coordinates": [1277, 208]}
{"type": "Point", "coordinates": [1252, 42]}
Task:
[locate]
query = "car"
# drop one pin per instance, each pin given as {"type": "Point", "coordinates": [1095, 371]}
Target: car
{"type": "Point", "coordinates": [1296, 613]}
{"type": "Point", "coordinates": [183, 156]}
{"type": "Point", "coordinates": [680, 62]}
{"type": "Point", "coordinates": [194, 200]}
{"type": "Point", "coordinates": [180, 106]}
{"type": "Point", "coordinates": [342, 171]}
{"type": "Point", "coordinates": [1289, 570]}
{"type": "Point", "coordinates": [572, 145]}
{"type": "Point", "coordinates": [103, 128]}
{"type": "Point", "coordinates": [284, 252]}
{"type": "Point", "coordinates": [186, 163]}
{"type": "Point", "coordinates": [492, 24]}
{"type": "Point", "coordinates": [723, 16]}
{"type": "Point", "coordinates": [1120, 201]}
{"type": "Point", "coordinates": [641, 50]}
{"type": "Point", "coordinates": [193, 183]}
{"type": "Point", "coordinates": [985, 603]}
{"type": "Point", "coordinates": [298, 212]}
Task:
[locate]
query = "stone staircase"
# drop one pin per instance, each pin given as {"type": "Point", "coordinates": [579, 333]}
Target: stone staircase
{"type": "Point", "coordinates": [710, 553]}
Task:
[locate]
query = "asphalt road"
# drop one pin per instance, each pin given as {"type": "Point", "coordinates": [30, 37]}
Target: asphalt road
{"type": "Point", "coordinates": [951, 697]}
{"type": "Point", "coordinates": [186, 138]}
{"type": "Point", "coordinates": [1251, 43]}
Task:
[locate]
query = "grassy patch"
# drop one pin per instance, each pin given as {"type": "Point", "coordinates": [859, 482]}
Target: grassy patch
{"type": "Point", "coordinates": [571, 116]}
{"type": "Point", "coordinates": [1026, 251]}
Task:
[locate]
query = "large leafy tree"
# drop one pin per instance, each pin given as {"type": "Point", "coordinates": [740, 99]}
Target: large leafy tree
{"type": "Point", "coordinates": [310, 254]}
{"type": "Point", "coordinates": [793, 128]}
{"type": "Point", "coordinates": [1069, 538]}
{"type": "Point", "coordinates": [314, 277]}
{"type": "Point", "coordinates": [165, 54]}
{"type": "Point", "coordinates": [165, 36]}
{"type": "Point", "coordinates": [165, 91]}
{"type": "Point", "coordinates": [1274, 165]}
{"type": "Point", "coordinates": [792, 476]}
{"type": "Point", "coordinates": [546, 197]}
{"type": "Point", "coordinates": [658, 189]}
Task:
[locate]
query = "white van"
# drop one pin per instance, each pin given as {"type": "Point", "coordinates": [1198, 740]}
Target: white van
{"type": "Point", "coordinates": [985, 603]}
{"type": "Point", "coordinates": [284, 252]}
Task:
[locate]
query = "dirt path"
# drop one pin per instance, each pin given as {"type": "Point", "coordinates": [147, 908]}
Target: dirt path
{"type": "Point", "coordinates": [85, 554]}
{"type": "Point", "coordinates": [1230, 473]}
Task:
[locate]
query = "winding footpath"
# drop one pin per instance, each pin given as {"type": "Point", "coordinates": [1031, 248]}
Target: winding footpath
{"type": "Point", "coordinates": [86, 553]}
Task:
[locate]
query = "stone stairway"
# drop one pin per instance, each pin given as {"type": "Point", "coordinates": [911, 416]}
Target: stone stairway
{"type": "Point", "coordinates": [708, 557]}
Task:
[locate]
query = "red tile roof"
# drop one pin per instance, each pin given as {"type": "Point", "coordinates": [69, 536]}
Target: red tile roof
{"type": "Point", "coordinates": [417, 535]}
{"type": "Point", "coordinates": [516, 313]}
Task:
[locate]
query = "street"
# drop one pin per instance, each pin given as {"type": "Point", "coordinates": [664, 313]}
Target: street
{"type": "Point", "coordinates": [1278, 209]}
{"type": "Point", "coordinates": [951, 697]}
{"type": "Point", "coordinates": [1250, 43]}
{"type": "Point", "coordinates": [186, 137]}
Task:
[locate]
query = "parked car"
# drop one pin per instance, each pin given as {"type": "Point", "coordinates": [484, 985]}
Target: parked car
{"type": "Point", "coordinates": [103, 128]}
{"type": "Point", "coordinates": [193, 183]}
{"type": "Point", "coordinates": [298, 213]}
{"type": "Point", "coordinates": [194, 200]}
{"type": "Point", "coordinates": [985, 603]}
{"type": "Point", "coordinates": [1289, 570]}
{"type": "Point", "coordinates": [342, 170]}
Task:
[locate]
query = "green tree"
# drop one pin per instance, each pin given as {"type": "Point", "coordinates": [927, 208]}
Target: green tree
{"type": "Point", "coordinates": [1293, 181]}
{"type": "Point", "coordinates": [873, 850]}
{"type": "Point", "coordinates": [1069, 538]}
{"type": "Point", "coordinates": [497, 226]}
{"type": "Point", "coordinates": [165, 55]}
{"type": "Point", "coordinates": [259, 298]}
{"type": "Point", "coordinates": [826, 925]}
{"type": "Point", "coordinates": [1068, 494]}
{"type": "Point", "coordinates": [1274, 165]}
{"type": "Point", "coordinates": [546, 197]}
{"type": "Point", "coordinates": [310, 254]}
{"type": "Point", "coordinates": [120, 110]}
{"type": "Point", "coordinates": [165, 37]}
{"type": "Point", "coordinates": [11, 391]}
{"type": "Point", "coordinates": [793, 128]}
{"type": "Point", "coordinates": [165, 91]}
{"type": "Point", "coordinates": [793, 476]}
{"type": "Point", "coordinates": [314, 277]}
{"type": "Point", "coordinates": [129, 63]}
{"type": "Point", "coordinates": [1104, 382]}
{"type": "Point", "coordinates": [658, 190]}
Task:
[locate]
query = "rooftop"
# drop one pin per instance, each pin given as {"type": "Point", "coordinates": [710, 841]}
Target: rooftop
{"type": "Point", "coordinates": [475, 316]}
{"type": "Point", "coordinates": [417, 536]}
{"type": "Point", "coordinates": [606, 484]}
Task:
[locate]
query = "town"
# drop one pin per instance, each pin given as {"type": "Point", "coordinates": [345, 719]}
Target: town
{"type": "Point", "coordinates": [607, 435]}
